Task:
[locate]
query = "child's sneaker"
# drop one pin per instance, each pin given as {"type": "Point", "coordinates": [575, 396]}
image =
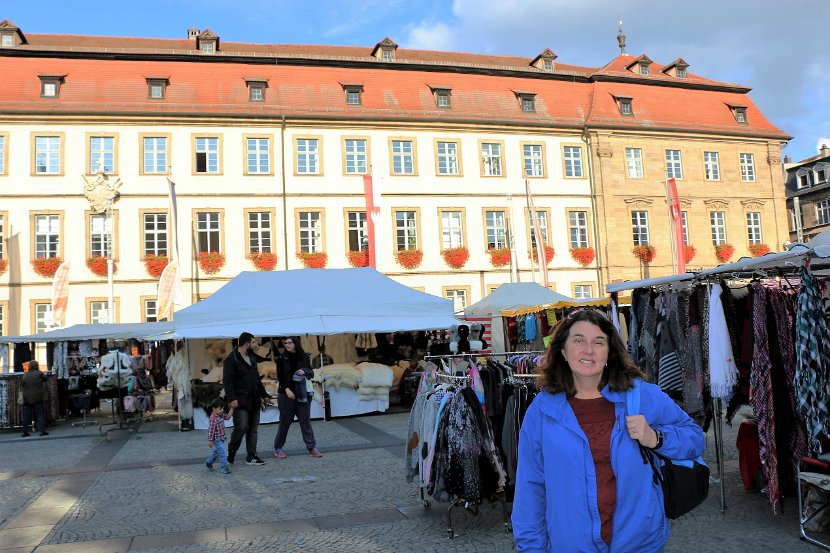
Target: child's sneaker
{"type": "Point", "coordinates": [208, 466]}
{"type": "Point", "coordinates": [225, 470]}
{"type": "Point", "coordinates": [280, 454]}
{"type": "Point", "coordinates": [315, 452]}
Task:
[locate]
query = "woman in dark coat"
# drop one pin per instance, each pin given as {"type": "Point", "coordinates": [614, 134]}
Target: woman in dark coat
{"type": "Point", "coordinates": [293, 368]}
{"type": "Point", "coordinates": [33, 384]}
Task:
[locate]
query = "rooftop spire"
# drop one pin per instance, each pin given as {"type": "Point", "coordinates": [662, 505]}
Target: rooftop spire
{"type": "Point", "coordinates": [621, 38]}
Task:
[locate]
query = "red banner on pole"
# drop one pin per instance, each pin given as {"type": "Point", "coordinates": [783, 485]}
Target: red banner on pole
{"type": "Point", "coordinates": [372, 215]}
{"type": "Point", "coordinates": [540, 242]}
{"type": "Point", "coordinates": [677, 226]}
{"type": "Point", "coordinates": [60, 294]}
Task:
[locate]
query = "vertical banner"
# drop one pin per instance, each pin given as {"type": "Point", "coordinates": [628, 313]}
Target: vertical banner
{"type": "Point", "coordinates": [60, 295]}
{"type": "Point", "coordinates": [372, 215]}
{"type": "Point", "coordinates": [676, 220]}
{"type": "Point", "coordinates": [540, 242]}
{"type": "Point", "coordinates": [173, 297]}
{"type": "Point", "coordinates": [167, 291]}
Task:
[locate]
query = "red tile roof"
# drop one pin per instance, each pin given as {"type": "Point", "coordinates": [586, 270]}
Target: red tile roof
{"type": "Point", "coordinates": [305, 82]}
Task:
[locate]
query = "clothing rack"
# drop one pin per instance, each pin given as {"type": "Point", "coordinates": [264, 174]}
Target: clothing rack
{"type": "Point", "coordinates": [119, 421]}
{"type": "Point", "coordinates": [473, 354]}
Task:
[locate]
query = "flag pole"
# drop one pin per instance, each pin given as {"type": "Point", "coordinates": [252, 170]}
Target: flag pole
{"type": "Point", "coordinates": [676, 227]}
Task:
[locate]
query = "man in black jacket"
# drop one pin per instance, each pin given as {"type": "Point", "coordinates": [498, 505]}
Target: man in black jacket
{"type": "Point", "coordinates": [244, 392]}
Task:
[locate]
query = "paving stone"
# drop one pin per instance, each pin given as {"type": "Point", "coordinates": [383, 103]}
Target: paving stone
{"type": "Point", "coordinates": [23, 537]}
{"type": "Point", "coordinates": [98, 546]}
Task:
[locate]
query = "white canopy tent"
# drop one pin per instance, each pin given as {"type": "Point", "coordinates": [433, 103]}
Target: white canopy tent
{"type": "Point", "coordinates": [319, 302]}
{"type": "Point", "coordinates": [155, 331]}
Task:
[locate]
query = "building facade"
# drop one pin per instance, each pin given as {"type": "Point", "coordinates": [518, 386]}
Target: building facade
{"type": "Point", "coordinates": [808, 196]}
{"type": "Point", "coordinates": [268, 146]}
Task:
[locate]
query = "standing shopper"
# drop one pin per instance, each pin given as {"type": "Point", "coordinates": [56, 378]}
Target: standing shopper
{"type": "Point", "coordinates": [33, 384]}
{"type": "Point", "coordinates": [581, 482]}
{"type": "Point", "coordinates": [244, 393]}
{"type": "Point", "coordinates": [293, 368]}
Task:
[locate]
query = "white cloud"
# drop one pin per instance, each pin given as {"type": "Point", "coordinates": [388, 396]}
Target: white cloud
{"type": "Point", "coordinates": [823, 141]}
{"type": "Point", "coordinates": [428, 36]}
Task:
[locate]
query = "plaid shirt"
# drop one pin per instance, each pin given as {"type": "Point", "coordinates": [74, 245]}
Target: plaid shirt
{"type": "Point", "coordinates": [216, 428]}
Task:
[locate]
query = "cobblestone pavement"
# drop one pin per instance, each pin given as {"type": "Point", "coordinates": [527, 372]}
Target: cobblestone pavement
{"type": "Point", "coordinates": [147, 491]}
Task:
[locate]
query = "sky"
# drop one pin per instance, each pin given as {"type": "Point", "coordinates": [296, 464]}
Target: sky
{"type": "Point", "coordinates": [779, 49]}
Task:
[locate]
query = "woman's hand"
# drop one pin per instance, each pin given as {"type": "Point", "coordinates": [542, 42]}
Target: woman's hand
{"type": "Point", "coordinates": [289, 393]}
{"type": "Point", "coordinates": [639, 430]}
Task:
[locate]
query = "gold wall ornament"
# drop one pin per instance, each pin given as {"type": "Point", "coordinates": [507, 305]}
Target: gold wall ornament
{"type": "Point", "coordinates": [101, 191]}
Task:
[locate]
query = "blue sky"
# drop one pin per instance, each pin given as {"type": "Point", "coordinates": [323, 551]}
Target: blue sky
{"type": "Point", "coordinates": [781, 50]}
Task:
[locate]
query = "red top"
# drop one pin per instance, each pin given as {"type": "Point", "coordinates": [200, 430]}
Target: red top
{"type": "Point", "coordinates": [596, 417]}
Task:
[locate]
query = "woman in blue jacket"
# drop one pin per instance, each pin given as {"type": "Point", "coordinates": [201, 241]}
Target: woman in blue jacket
{"type": "Point", "coordinates": [581, 484]}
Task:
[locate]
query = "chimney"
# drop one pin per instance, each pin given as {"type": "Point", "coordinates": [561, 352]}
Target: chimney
{"type": "Point", "coordinates": [788, 159]}
{"type": "Point", "coordinates": [192, 33]}
{"type": "Point", "coordinates": [824, 151]}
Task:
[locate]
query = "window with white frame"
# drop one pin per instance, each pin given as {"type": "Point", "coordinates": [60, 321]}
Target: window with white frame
{"type": "Point", "coordinates": [685, 218]}
{"type": "Point", "coordinates": [447, 158]}
{"type": "Point", "coordinates": [155, 233]}
{"type": "Point", "coordinates": [458, 297]}
{"type": "Point", "coordinates": [820, 171]}
{"type": "Point", "coordinates": [259, 232]}
{"type": "Point", "coordinates": [207, 155]}
{"type": "Point", "coordinates": [542, 218]}
{"type": "Point", "coordinates": [156, 88]}
{"type": "Point", "coordinates": [43, 317]}
{"type": "Point", "coordinates": [150, 311]}
{"type": "Point", "coordinates": [259, 156]}
{"type": "Point", "coordinates": [100, 235]}
{"type": "Point", "coordinates": [533, 161]}
{"type": "Point", "coordinates": [583, 291]}
{"type": "Point", "coordinates": [639, 227]}
{"type": "Point", "coordinates": [47, 155]}
{"type": "Point", "coordinates": [208, 231]}
{"type": "Point", "coordinates": [495, 223]}
{"type": "Point", "coordinates": [155, 154]}
{"type": "Point", "coordinates": [718, 223]}
{"type": "Point", "coordinates": [674, 165]}
{"type": "Point", "coordinates": [357, 231]}
{"type": "Point", "coordinates": [256, 91]}
{"type": "Point", "coordinates": [101, 154]}
{"type": "Point", "coordinates": [2, 155]}
{"type": "Point", "coordinates": [747, 167]}
{"type": "Point", "coordinates": [406, 230]}
{"type": "Point", "coordinates": [310, 231]}
{"type": "Point", "coordinates": [99, 312]}
{"type": "Point", "coordinates": [578, 227]}
{"type": "Point", "coordinates": [403, 157]}
{"type": "Point", "coordinates": [356, 158]}
{"type": "Point", "coordinates": [823, 212]}
{"type": "Point", "coordinates": [711, 166]}
{"type": "Point", "coordinates": [442, 99]}
{"type": "Point", "coordinates": [491, 159]}
{"type": "Point", "coordinates": [47, 235]}
{"type": "Point", "coordinates": [634, 163]}
{"type": "Point", "coordinates": [6, 40]}
{"type": "Point", "coordinates": [308, 152]}
{"type": "Point", "coordinates": [753, 227]}
{"type": "Point", "coordinates": [452, 230]}
{"type": "Point", "coordinates": [528, 102]}
{"type": "Point", "coordinates": [802, 178]}
{"type": "Point", "coordinates": [573, 161]}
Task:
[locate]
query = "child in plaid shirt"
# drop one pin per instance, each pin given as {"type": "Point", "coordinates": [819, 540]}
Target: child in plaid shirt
{"type": "Point", "coordinates": [216, 436]}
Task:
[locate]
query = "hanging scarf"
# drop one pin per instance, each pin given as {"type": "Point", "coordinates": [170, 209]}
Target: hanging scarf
{"type": "Point", "coordinates": [722, 368]}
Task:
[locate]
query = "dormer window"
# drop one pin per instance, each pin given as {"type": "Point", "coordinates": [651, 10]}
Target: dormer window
{"type": "Point", "coordinates": [6, 40]}
{"type": "Point", "coordinates": [50, 85]}
{"type": "Point", "coordinates": [208, 47]}
{"type": "Point", "coordinates": [644, 69]}
{"type": "Point", "coordinates": [802, 178]}
{"type": "Point", "coordinates": [207, 42]}
{"type": "Point", "coordinates": [354, 94]}
{"type": "Point", "coordinates": [157, 87]}
{"type": "Point", "coordinates": [548, 65]}
{"type": "Point", "coordinates": [544, 60]}
{"type": "Point", "coordinates": [10, 35]}
{"type": "Point", "coordinates": [256, 89]}
{"type": "Point", "coordinates": [624, 105]}
{"type": "Point", "coordinates": [680, 72]}
{"type": "Point", "coordinates": [739, 112]}
{"type": "Point", "coordinates": [643, 65]}
{"type": "Point", "coordinates": [676, 69]}
{"type": "Point", "coordinates": [385, 50]}
{"type": "Point", "coordinates": [442, 96]}
{"type": "Point", "coordinates": [388, 55]}
{"type": "Point", "coordinates": [822, 172]}
{"type": "Point", "coordinates": [528, 102]}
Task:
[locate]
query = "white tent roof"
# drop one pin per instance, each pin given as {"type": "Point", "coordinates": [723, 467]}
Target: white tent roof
{"type": "Point", "coordinates": [514, 295]}
{"type": "Point", "coordinates": [96, 331]}
{"type": "Point", "coordinates": [312, 301]}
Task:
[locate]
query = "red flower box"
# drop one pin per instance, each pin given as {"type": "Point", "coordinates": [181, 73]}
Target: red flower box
{"type": "Point", "coordinates": [645, 252]}
{"type": "Point", "coordinates": [757, 250]}
{"type": "Point", "coordinates": [4, 264]}
{"type": "Point", "coordinates": [456, 257]}
{"type": "Point", "coordinates": [499, 257]}
{"type": "Point", "coordinates": [409, 259]}
{"type": "Point", "coordinates": [358, 258]}
{"type": "Point", "coordinates": [549, 253]}
{"type": "Point", "coordinates": [264, 261]}
{"type": "Point", "coordinates": [211, 262]}
{"type": "Point", "coordinates": [689, 252]}
{"type": "Point", "coordinates": [724, 252]}
{"type": "Point", "coordinates": [46, 266]}
{"type": "Point", "coordinates": [313, 260]}
{"type": "Point", "coordinates": [583, 256]}
{"type": "Point", "coordinates": [155, 264]}
{"type": "Point", "coordinates": [98, 265]}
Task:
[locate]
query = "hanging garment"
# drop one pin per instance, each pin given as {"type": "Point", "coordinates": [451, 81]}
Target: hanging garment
{"type": "Point", "coordinates": [4, 358]}
{"type": "Point", "coordinates": [693, 378]}
{"type": "Point", "coordinates": [669, 373]}
{"type": "Point", "coordinates": [530, 327]}
{"type": "Point", "coordinates": [811, 367]}
{"type": "Point", "coordinates": [413, 441]}
{"type": "Point", "coordinates": [723, 370]}
{"type": "Point", "coordinates": [760, 393]}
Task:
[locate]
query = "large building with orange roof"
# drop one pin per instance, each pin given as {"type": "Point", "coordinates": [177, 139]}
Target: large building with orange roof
{"type": "Point", "coordinates": [268, 146]}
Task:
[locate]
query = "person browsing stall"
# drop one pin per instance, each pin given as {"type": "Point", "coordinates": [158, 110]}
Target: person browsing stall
{"type": "Point", "coordinates": [33, 384]}
{"type": "Point", "coordinates": [581, 483]}
{"type": "Point", "coordinates": [293, 368]}
{"type": "Point", "coordinates": [245, 394]}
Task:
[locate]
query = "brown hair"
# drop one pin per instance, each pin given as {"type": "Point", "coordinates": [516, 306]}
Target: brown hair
{"type": "Point", "coordinates": [618, 373]}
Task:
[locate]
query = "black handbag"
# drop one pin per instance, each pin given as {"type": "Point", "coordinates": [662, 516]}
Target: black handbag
{"type": "Point", "coordinates": [685, 482]}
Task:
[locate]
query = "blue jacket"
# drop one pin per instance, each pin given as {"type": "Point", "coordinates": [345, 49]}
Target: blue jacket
{"type": "Point", "coordinates": [555, 505]}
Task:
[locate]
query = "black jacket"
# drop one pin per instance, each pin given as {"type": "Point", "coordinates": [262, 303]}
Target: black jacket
{"type": "Point", "coordinates": [285, 371]}
{"type": "Point", "coordinates": [242, 382]}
